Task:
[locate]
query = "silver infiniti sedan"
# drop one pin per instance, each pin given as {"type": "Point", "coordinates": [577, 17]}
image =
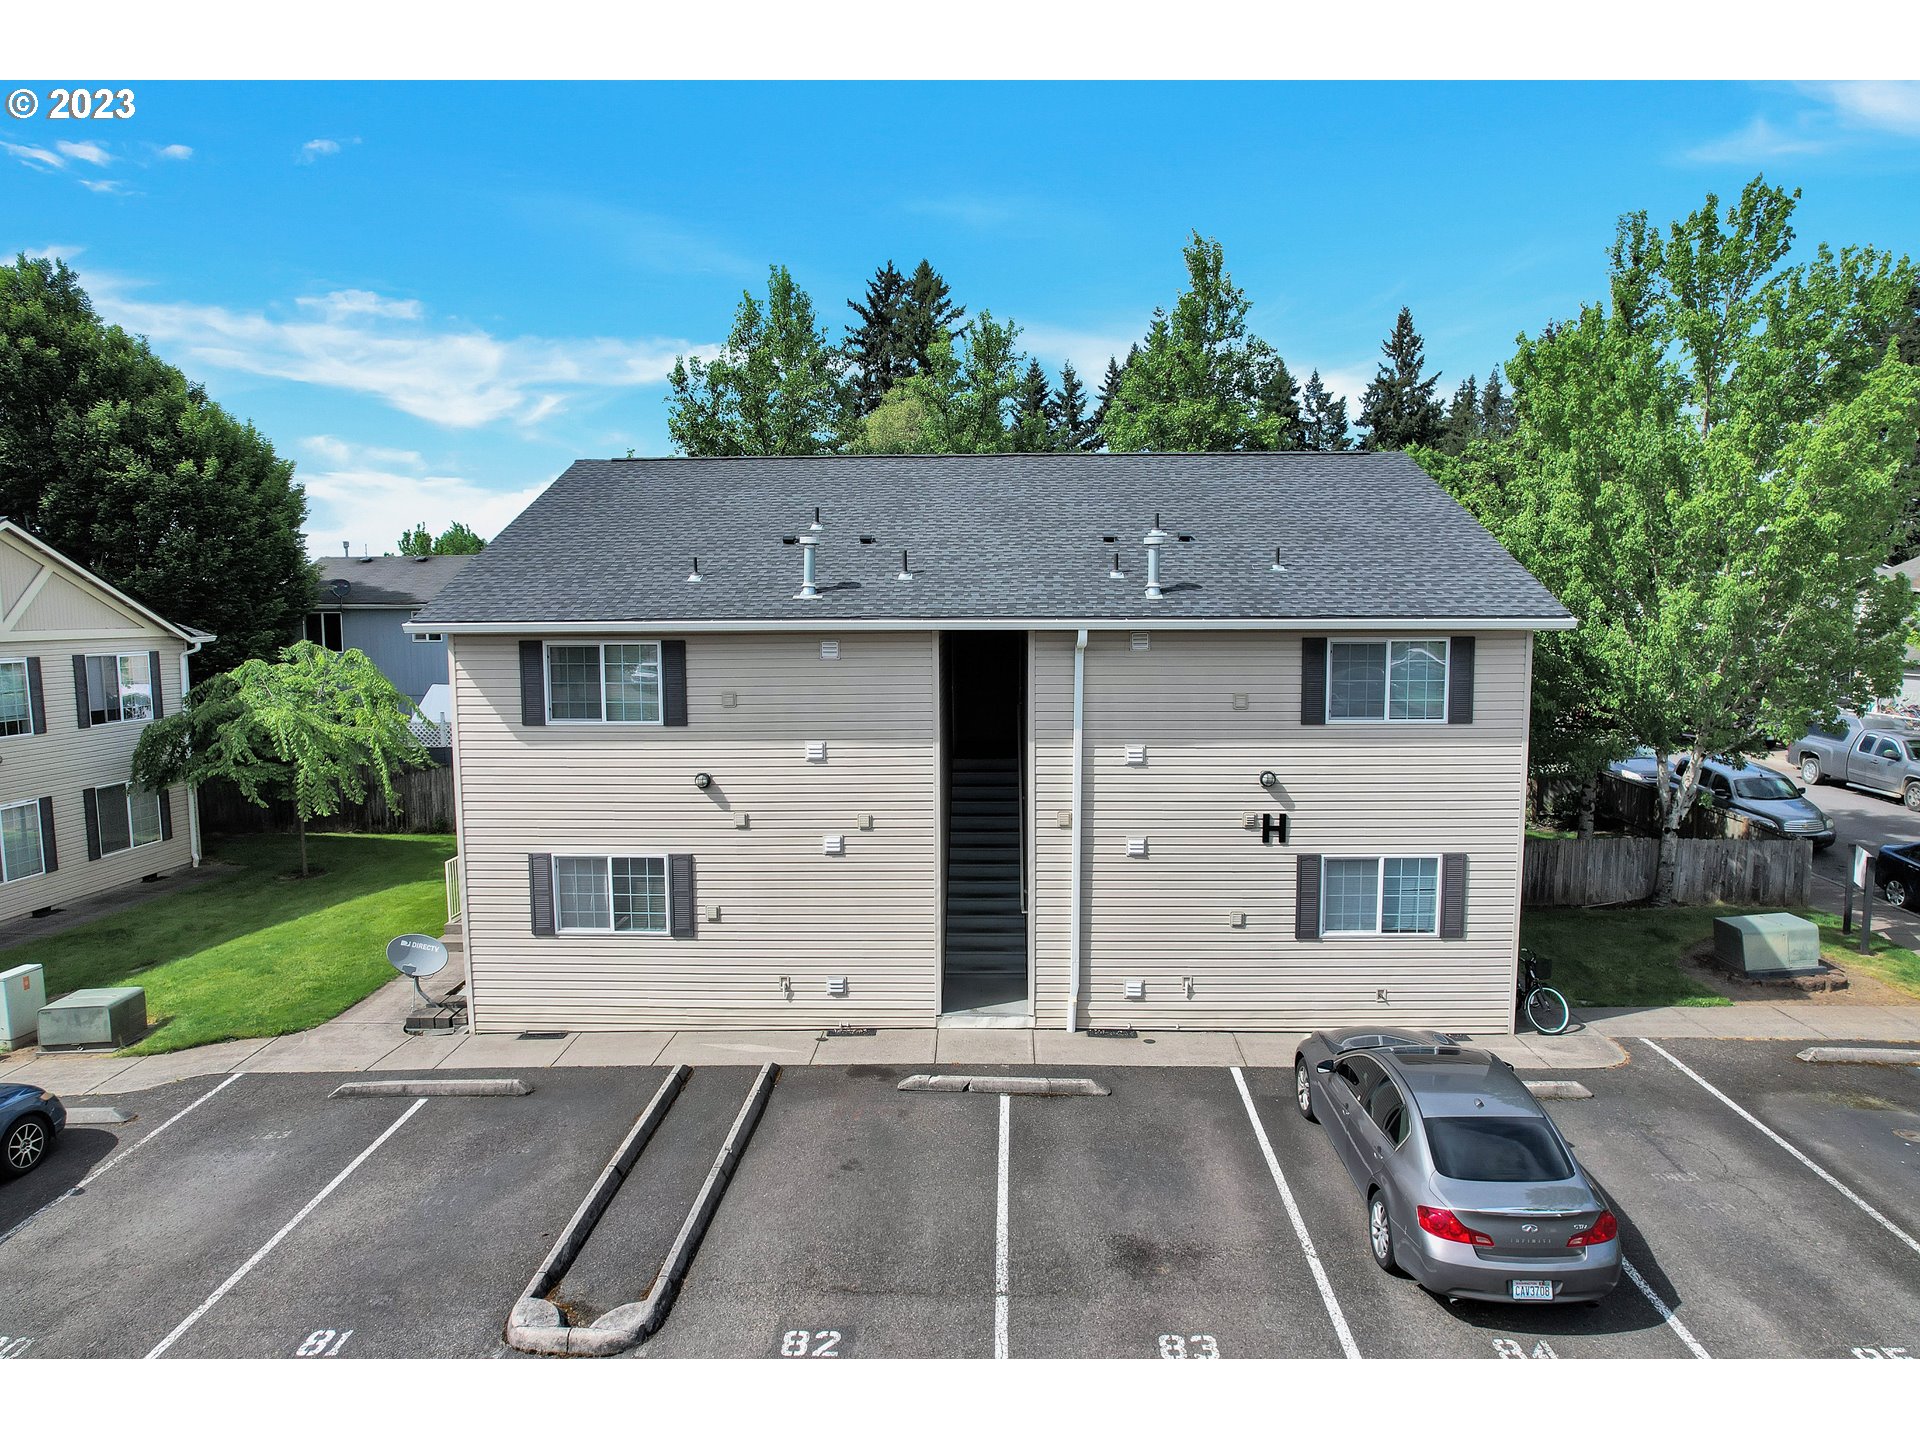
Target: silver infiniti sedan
{"type": "Point", "coordinates": [1469, 1187]}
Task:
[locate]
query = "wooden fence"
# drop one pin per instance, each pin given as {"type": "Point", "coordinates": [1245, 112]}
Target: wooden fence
{"type": "Point", "coordinates": [426, 806]}
{"type": "Point", "coordinates": [1616, 870]}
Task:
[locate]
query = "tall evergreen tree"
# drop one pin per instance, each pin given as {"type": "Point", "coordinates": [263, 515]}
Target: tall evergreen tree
{"type": "Point", "coordinates": [877, 347]}
{"type": "Point", "coordinates": [1462, 425]}
{"type": "Point", "coordinates": [1323, 417]}
{"type": "Point", "coordinates": [1109, 388]}
{"type": "Point", "coordinates": [1276, 402]}
{"type": "Point", "coordinates": [1032, 424]}
{"type": "Point", "coordinates": [776, 388]}
{"type": "Point", "coordinates": [927, 312]}
{"type": "Point", "coordinates": [116, 459]}
{"type": "Point", "coordinates": [1496, 408]}
{"type": "Point", "coordinates": [1071, 426]}
{"type": "Point", "coordinates": [1398, 408]}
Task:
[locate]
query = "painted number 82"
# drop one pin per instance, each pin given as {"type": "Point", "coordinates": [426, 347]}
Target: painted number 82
{"type": "Point", "coordinates": [811, 1344]}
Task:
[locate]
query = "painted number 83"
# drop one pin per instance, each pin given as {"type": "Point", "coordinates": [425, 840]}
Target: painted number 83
{"type": "Point", "coordinates": [1189, 1347]}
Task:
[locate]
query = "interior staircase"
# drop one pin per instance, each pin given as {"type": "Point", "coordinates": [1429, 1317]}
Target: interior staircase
{"type": "Point", "coordinates": [986, 929]}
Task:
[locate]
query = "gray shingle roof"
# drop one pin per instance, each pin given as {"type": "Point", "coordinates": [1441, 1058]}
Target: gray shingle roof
{"type": "Point", "coordinates": [387, 580]}
{"type": "Point", "coordinates": [994, 537]}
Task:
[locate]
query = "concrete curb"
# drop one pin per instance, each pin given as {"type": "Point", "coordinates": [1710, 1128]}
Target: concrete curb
{"type": "Point", "coordinates": [99, 1115]}
{"type": "Point", "coordinates": [410, 1089]}
{"type": "Point", "coordinates": [535, 1323]}
{"type": "Point", "coordinates": [1558, 1090]}
{"type": "Point", "coordinates": [1003, 1085]}
{"type": "Point", "coordinates": [1857, 1055]}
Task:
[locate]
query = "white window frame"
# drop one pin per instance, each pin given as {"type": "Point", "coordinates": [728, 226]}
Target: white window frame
{"type": "Point", "coordinates": [339, 618]}
{"type": "Point", "coordinates": [546, 661]}
{"type": "Point", "coordinates": [39, 835]}
{"type": "Point", "coordinates": [424, 636]}
{"type": "Point", "coordinates": [1386, 695]}
{"type": "Point", "coordinates": [1380, 898]}
{"type": "Point", "coordinates": [666, 882]}
{"type": "Point", "coordinates": [99, 801]}
{"type": "Point", "coordinates": [26, 676]}
{"type": "Point", "coordinates": [153, 685]}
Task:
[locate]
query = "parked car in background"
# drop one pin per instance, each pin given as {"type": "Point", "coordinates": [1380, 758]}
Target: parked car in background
{"type": "Point", "coordinates": [30, 1120]}
{"type": "Point", "coordinates": [1879, 753]}
{"type": "Point", "coordinates": [1896, 871]}
{"type": "Point", "coordinates": [1469, 1187]}
{"type": "Point", "coordinates": [1763, 796]}
{"type": "Point", "coordinates": [1640, 767]}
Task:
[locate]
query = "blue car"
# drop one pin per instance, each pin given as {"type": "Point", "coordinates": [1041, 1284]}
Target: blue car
{"type": "Point", "coordinates": [30, 1119]}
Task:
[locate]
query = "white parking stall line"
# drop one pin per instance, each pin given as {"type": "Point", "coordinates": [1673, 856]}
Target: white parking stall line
{"type": "Point", "coordinates": [1892, 1229]}
{"type": "Point", "coordinates": [1000, 1244]}
{"type": "Point", "coordinates": [281, 1234]}
{"type": "Point", "coordinates": [1334, 1314]}
{"type": "Point", "coordinates": [1665, 1310]}
{"type": "Point", "coordinates": [114, 1159]}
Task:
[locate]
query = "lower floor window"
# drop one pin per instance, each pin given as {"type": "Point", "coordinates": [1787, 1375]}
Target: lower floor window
{"type": "Point", "coordinates": [128, 818]}
{"type": "Point", "coordinates": [21, 853]}
{"type": "Point", "coordinates": [610, 892]}
{"type": "Point", "coordinates": [1372, 896]}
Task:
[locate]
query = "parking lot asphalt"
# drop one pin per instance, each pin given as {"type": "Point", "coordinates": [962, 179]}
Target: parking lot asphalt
{"type": "Point", "coordinates": [1177, 1217]}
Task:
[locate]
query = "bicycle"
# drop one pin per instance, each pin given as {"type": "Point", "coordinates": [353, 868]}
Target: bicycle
{"type": "Point", "coordinates": [1544, 1006]}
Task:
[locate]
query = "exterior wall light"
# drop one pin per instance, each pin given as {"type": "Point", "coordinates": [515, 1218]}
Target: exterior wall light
{"type": "Point", "coordinates": [1268, 779]}
{"type": "Point", "coordinates": [702, 780]}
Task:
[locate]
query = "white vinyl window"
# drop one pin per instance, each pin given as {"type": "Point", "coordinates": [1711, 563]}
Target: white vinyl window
{"type": "Point", "coordinates": [127, 818]}
{"type": "Point", "coordinates": [423, 635]}
{"type": "Point", "coordinates": [608, 894]}
{"type": "Point", "coordinates": [1392, 895]}
{"type": "Point", "coordinates": [1387, 680]}
{"type": "Point", "coordinates": [16, 698]}
{"type": "Point", "coordinates": [21, 853]}
{"type": "Point", "coordinates": [604, 684]}
{"type": "Point", "coordinates": [119, 687]}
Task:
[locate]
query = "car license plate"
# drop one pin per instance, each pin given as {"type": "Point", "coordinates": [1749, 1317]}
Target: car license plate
{"type": "Point", "coordinates": [1530, 1289]}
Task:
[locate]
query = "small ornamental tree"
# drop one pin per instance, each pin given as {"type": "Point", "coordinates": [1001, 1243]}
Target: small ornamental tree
{"type": "Point", "coordinates": [317, 727]}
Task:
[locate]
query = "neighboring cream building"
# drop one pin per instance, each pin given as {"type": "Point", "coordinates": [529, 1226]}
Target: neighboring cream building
{"type": "Point", "coordinates": [986, 744]}
{"type": "Point", "coordinates": [83, 668]}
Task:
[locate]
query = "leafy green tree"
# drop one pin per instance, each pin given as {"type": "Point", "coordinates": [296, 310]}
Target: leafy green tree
{"type": "Point", "coordinates": [1071, 426]}
{"type": "Point", "coordinates": [776, 387]}
{"type": "Point", "coordinates": [878, 348]}
{"type": "Point", "coordinates": [1032, 424]}
{"type": "Point", "coordinates": [318, 727]}
{"type": "Point", "coordinates": [1323, 417]}
{"type": "Point", "coordinates": [1202, 381]}
{"type": "Point", "coordinates": [1398, 408]}
{"type": "Point", "coordinates": [966, 402]}
{"type": "Point", "coordinates": [456, 539]}
{"type": "Point", "coordinates": [926, 315]}
{"type": "Point", "coordinates": [417, 541]}
{"type": "Point", "coordinates": [120, 462]}
{"type": "Point", "coordinates": [1707, 469]}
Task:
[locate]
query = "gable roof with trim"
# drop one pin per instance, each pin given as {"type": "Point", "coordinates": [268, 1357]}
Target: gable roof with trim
{"type": "Point", "coordinates": [90, 581]}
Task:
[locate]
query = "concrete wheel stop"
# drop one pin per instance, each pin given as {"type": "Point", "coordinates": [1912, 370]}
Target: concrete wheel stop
{"type": "Point", "coordinates": [1052, 1085]}
{"type": "Point", "coordinates": [536, 1324]}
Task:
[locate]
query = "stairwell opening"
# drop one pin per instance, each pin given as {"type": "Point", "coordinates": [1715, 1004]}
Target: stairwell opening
{"type": "Point", "coordinates": [983, 688]}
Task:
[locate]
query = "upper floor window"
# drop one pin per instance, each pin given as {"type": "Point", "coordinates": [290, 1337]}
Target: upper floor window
{"type": "Point", "coordinates": [423, 635]}
{"type": "Point", "coordinates": [119, 687]}
{"type": "Point", "coordinates": [323, 629]}
{"type": "Point", "coordinates": [615, 684]}
{"type": "Point", "coordinates": [16, 698]}
{"type": "Point", "coordinates": [1387, 680]}
{"type": "Point", "coordinates": [21, 852]}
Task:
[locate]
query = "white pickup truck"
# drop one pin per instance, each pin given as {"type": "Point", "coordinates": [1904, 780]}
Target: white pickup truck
{"type": "Point", "coordinates": [1879, 752]}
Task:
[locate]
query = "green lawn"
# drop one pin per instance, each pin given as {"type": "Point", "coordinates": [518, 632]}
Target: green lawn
{"type": "Point", "coordinates": [256, 953]}
{"type": "Point", "coordinates": [1630, 956]}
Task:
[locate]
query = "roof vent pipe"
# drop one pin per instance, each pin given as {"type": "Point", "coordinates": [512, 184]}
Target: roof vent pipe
{"type": "Point", "coordinates": [1276, 567]}
{"type": "Point", "coordinates": [1116, 573]}
{"type": "Point", "coordinates": [346, 549]}
{"type": "Point", "coordinates": [815, 527]}
{"type": "Point", "coordinates": [1155, 538]}
{"type": "Point", "coordinates": [906, 570]}
{"type": "Point", "coordinates": [809, 542]}
{"type": "Point", "coordinates": [694, 574]}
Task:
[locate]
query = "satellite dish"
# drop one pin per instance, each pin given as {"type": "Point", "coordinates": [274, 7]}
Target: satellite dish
{"type": "Point", "coordinates": [339, 588]}
{"type": "Point", "coordinates": [415, 956]}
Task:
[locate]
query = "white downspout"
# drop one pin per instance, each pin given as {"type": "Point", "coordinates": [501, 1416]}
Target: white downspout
{"type": "Point", "coordinates": [1075, 842]}
{"type": "Point", "coordinates": [193, 794]}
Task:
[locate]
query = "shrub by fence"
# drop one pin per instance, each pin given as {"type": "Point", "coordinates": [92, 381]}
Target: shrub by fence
{"type": "Point", "coordinates": [426, 806]}
{"type": "Point", "coordinates": [1619, 869]}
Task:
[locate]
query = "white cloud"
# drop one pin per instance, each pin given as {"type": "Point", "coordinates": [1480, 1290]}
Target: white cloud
{"type": "Point", "coordinates": [314, 149]}
{"type": "Point", "coordinates": [1890, 105]}
{"type": "Point", "coordinates": [1347, 381]}
{"type": "Point", "coordinates": [1757, 142]}
{"type": "Point", "coordinates": [1089, 350]}
{"type": "Point", "coordinates": [85, 150]}
{"type": "Point", "coordinates": [34, 157]}
{"type": "Point", "coordinates": [105, 187]}
{"type": "Point", "coordinates": [372, 508]}
{"type": "Point", "coordinates": [175, 152]}
{"type": "Point", "coordinates": [347, 454]}
{"type": "Point", "coordinates": [453, 375]}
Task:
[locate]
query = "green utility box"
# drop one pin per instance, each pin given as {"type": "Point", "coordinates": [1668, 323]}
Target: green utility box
{"type": "Point", "coordinates": [1764, 947]}
{"type": "Point", "coordinates": [94, 1019]}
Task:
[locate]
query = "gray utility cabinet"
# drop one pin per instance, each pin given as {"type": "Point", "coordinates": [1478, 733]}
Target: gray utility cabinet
{"type": "Point", "coordinates": [94, 1019]}
{"type": "Point", "coordinates": [1767, 947]}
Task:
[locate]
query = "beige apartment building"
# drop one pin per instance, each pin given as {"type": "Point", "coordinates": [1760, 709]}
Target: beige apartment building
{"type": "Point", "coordinates": [1195, 741]}
{"type": "Point", "coordinates": [83, 669]}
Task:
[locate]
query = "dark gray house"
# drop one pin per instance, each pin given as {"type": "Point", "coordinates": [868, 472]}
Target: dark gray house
{"type": "Point", "coordinates": [364, 602]}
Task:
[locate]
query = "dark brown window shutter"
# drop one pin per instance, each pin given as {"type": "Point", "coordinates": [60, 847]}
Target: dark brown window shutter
{"type": "Point", "coordinates": [36, 696]}
{"type": "Point", "coordinates": [91, 800]}
{"type": "Point", "coordinates": [1453, 897]}
{"type": "Point", "coordinates": [1460, 680]}
{"type": "Point", "coordinates": [46, 834]}
{"type": "Point", "coordinates": [80, 705]}
{"type": "Point", "coordinates": [673, 683]}
{"type": "Point", "coordinates": [1313, 681]}
{"type": "Point", "coordinates": [153, 678]}
{"type": "Point", "coordinates": [533, 685]}
{"type": "Point", "coordinates": [166, 817]}
{"type": "Point", "coordinates": [1306, 897]}
{"type": "Point", "coordinates": [682, 911]}
{"type": "Point", "coordinates": [540, 892]}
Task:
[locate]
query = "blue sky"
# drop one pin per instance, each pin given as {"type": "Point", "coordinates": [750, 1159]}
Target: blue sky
{"type": "Point", "coordinates": [433, 296]}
